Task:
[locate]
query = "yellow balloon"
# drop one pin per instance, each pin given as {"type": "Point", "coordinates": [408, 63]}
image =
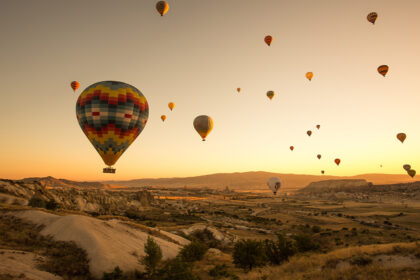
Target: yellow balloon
{"type": "Point", "coordinates": [171, 105]}
{"type": "Point", "coordinates": [203, 125]}
{"type": "Point", "coordinates": [162, 7]}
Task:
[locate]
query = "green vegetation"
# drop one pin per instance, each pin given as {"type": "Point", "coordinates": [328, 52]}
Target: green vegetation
{"type": "Point", "coordinates": [153, 256]}
{"type": "Point", "coordinates": [193, 252]}
{"type": "Point", "coordinates": [249, 253]}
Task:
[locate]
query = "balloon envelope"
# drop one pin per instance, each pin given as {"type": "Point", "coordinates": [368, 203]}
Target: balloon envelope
{"type": "Point", "coordinates": [162, 7]}
{"type": "Point", "coordinates": [203, 125]}
{"type": "Point", "coordinates": [309, 132]}
{"type": "Point", "coordinates": [75, 85]}
{"type": "Point", "coordinates": [401, 137]}
{"type": "Point", "coordinates": [318, 156]}
{"type": "Point", "coordinates": [268, 40]}
{"type": "Point", "coordinates": [337, 161]}
{"type": "Point", "coordinates": [322, 172]}
{"type": "Point", "coordinates": [318, 126]}
{"type": "Point", "coordinates": [309, 76]}
{"type": "Point", "coordinates": [112, 115]}
{"type": "Point", "coordinates": [411, 173]}
{"type": "Point", "coordinates": [274, 184]}
{"type": "Point", "coordinates": [171, 105]}
{"type": "Point", "coordinates": [270, 94]}
{"type": "Point", "coordinates": [371, 17]}
{"type": "Point", "coordinates": [163, 117]}
{"type": "Point", "coordinates": [292, 148]}
{"type": "Point", "coordinates": [406, 167]}
{"type": "Point", "coordinates": [383, 69]}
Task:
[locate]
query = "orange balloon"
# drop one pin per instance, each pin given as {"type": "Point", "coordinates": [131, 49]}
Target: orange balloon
{"type": "Point", "coordinates": [171, 105]}
{"type": "Point", "coordinates": [292, 148]}
{"type": "Point", "coordinates": [337, 161]}
{"type": "Point", "coordinates": [318, 126]}
{"type": "Point", "coordinates": [75, 85]}
{"type": "Point", "coordinates": [401, 137]}
{"type": "Point", "coordinates": [238, 89]}
{"type": "Point", "coordinates": [268, 39]}
{"type": "Point", "coordinates": [383, 69]}
{"type": "Point", "coordinates": [163, 117]}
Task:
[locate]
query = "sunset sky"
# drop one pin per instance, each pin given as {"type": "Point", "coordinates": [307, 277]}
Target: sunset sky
{"type": "Point", "coordinates": [196, 56]}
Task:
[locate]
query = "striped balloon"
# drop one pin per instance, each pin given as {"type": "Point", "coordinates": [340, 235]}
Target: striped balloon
{"type": "Point", "coordinates": [203, 125]}
{"type": "Point", "coordinates": [112, 115]}
{"type": "Point", "coordinates": [371, 17]}
{"type": "Point", "coordinates": [75, 85]}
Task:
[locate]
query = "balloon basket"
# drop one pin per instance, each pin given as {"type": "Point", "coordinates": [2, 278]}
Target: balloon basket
{"type": "Point", "coordinates": [109, 170]}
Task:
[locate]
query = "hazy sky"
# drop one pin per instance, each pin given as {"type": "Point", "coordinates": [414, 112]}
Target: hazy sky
{"type": "Point", "coordinates": [196, 56]}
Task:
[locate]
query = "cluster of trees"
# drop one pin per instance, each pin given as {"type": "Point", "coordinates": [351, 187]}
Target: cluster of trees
{"type": "Point", "coordinates": [39, 202]}
{"type": "Point", "coordinates": [249, 253]}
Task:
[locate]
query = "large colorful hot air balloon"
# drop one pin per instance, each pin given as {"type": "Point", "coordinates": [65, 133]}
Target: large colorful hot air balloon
{"type": "Point", "coordinates": [401, 137]}
{"type": "Point", "coordinates": [203, 125]}
{"type": "Point", "coordinates": [238, 89]}
{"type": "Point", "coordinates": [274, 184]}
{"type": "Point", "coordinates": [411, 173]}
{"type": "Point", "coordinates": [371, 17]}
{"type": "Point", "coordinates": [268, 40]}
{"type": "Point", "coordinates": [270, 94]}
{"type": "Point", "coordinates": [406, 167]}
{"type": "Point", "coordinates": [319, 156]}
{"type": "Point", "coordinates": [162, 7]}
{"type": "Point", "coordinates": [292, 148]}
{"type": "Point", "coordinates": [383, 69]}
{"type": "Point", "coordinates": [309, 132]}
{"type": "Point", "coordinates": [337, 161]}
{"type": "Point", "coordinates": [318, 126]}
{"type": "Point", "coordinates": [75, 85]}
{"type": "Point", "coordinates": [309, 76]}
{"type": "Point", "coordinates": [171, 105]}
{"type": "Point", "coordinates": [163, 117]}
{"type": "Point", "coordinates": [112, 115]}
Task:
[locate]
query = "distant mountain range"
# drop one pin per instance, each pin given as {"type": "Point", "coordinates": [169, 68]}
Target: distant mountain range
{"type": "Point", "coordinates": [238, 181]}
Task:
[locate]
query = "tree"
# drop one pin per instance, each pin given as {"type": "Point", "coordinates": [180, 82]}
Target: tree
{"type": "Point", "coordinates": [248, 254]}
{"type": "Point", "coordinates": [51, 204]}
{"type": "Point", "coordinates": [176, 269]}
{"type": "Point", "coordinates": [280, 251]}
{"type": "Point", "coordinates": [304, 243]}
{"type": "Point", "coordinates": [193, 252]}
{"type": "Point", "coordinates": [36, 201]}
{"type": "Point", "coordinates": [153, 256]}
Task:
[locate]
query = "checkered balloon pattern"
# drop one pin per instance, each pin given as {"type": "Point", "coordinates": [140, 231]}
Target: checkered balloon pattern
{"type": "Point", "coordinates": [112, 115]}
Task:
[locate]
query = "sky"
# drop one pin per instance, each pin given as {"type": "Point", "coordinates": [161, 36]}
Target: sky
{"type": "Point", "coordinates": [196, 56]}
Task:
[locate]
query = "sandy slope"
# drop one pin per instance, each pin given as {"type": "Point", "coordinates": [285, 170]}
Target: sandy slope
{"type": "Point", "coordinates": [107, 243]}
{"type": "Point", "coordinates": [22, 265]}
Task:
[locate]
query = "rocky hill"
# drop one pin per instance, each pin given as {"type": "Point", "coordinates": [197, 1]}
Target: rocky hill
{"type": "Point", "coordinates": [90, 200]}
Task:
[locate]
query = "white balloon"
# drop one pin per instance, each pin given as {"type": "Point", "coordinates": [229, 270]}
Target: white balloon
{"type": "Point", "coordinates": [274, 184]}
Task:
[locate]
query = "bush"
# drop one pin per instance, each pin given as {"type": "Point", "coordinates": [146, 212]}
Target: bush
{"type": "Point", "coordinates": [219, 271]}
{"type": "Point", "coordinates": [176, 269]}
{"type": "Point", "coordinates": [51, 204]}
{"type": "Point", "coordinates": [361, 260]}
{"type": "Point", "coordinates": [153, 256]}
{"type": "Point", "coordinates": [117, 274]}
{"type": "Point", "coordinates": [36, 201]}
{"type": "Point", "coordinates": [304, 243]}
{"type": "Point", "coordinates": [316, 229]}
{"type": "Point", "coordinates": [206, 237]}
{"type": "Point", "coordinates": [279, 252]}
{"type": "Point", "coordinates": [193, 252]}
{"type": "Point", "coordinates": [248, 254]}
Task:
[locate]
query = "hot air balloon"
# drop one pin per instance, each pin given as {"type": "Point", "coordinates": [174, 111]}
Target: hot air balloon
{"type": "Point", "coordinates": [401, 137]}
{"type": "Point", "coordinates": [171, 105]}
{"type": "Point", "coordinates": [318, 156]}
{"type": "Point", "coordinates": [270, 94]}
{"type": "Point", "coordinates": [337, 161]}
{"type": "Point", "coordinates": [162, 7]}
{"type": "Point", "coordinates": [411, 173]}
{"type": "Point", "coordinates": [238, 89]}
{"type": "Point", "coordinates": [203, 125]}
{"type": "Point", "coordinates": [274, 184]}
{"type": "Point", "coordinates": [309, 132]}
{"type": "Point", "coordinates": [268, 39]}
{"type": "Point", "coordinates": [309, 76]}
{"type": "Point", "coordinates": [163, 117]}
{"type": "Point", "coordinates": [75, 85]}
{"type": "Point", "coordinates": [318, 126]}
{"type": "Point", "coordinates": [112, 115]}
{"type": "Point", "coordinates": [383, 69]}
{"type": "Point", "coordinates": [322, 172]}
{"type": "Point", "coordinates": [371, 17]}
{"type": "Point", "coordinates": [292, 148]}
{"type": "Point", "coordinates": [406, 167]}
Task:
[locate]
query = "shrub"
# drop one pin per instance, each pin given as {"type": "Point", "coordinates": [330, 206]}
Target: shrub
{"type": "Point", "coordinates": [176, 269]}
{"type": "Point", "coordinates": [153, 256]}
{"type": "Point", "coordinates": [280, 251]}
{"type": "Point", "coordinates": [248, 254]}
{"type": "Point", "coordinates": [361, 260]}
{"type": "Point", "coordinates": [219, 271]}
{"type": "Point", "coordinates": [36, 201]}
{"type": "Point", "coordinates": [193, 252]}
{"type": "Point", "coordinates": [117, 274]}
{"type": "Point", "coordinates": [51, 204]}
{"type": "Point", "coordinates": [316, 229]}
{"type": "Point", "coordinates": [304, 243]}
{"type": "Point", "coordinates": [206, 237]}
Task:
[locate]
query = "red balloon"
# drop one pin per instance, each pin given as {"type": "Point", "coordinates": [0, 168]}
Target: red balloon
{"type": "Point", "coordinates": [337, 161]}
